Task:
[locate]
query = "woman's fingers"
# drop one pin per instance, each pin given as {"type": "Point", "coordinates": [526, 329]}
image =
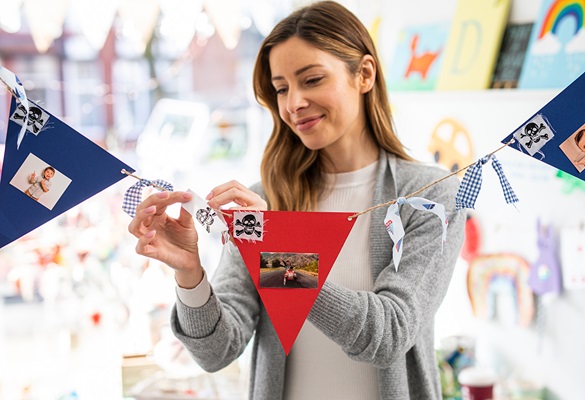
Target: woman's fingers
{"type": "Point", "coordinates": [144, 247]}
{"type": "Point", "coordinates": [155, 206]}
{"type": "Point", "coordinates": [234, 191]}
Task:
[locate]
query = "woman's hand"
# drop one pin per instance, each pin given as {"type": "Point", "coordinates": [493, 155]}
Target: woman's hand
{"type": "Point", "coordinates": [234, 191]}
{"type": "Point", "coordinates": [172, 241]}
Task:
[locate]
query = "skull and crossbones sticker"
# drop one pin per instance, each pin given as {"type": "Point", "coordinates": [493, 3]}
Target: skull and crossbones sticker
{"type": "Point", "coordinates": [37, 118]}
{"type": "Point", "coordinates": [534, 134]}
{"type": "Point", "coordinates": [248, 225]}
{"type": "Point", "coordinates": [206, 216]}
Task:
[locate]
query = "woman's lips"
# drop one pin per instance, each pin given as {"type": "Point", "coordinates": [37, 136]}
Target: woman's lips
{"type": "Point", "coordinates": [307, 123]}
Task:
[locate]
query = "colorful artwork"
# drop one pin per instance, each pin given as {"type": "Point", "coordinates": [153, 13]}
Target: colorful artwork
{"type": "Point", "coordinates": [451, 145]}
{"type": "Point", "coordinates": [473, 44]}
{"type": "Point", "coordinates": [500, 274]}
{"type": "Point", "coordinates": [512, 54]}
{"type": "Point", "coordinates": [417, 59]}
{"type": "Point", "coordinates": [556, 53]}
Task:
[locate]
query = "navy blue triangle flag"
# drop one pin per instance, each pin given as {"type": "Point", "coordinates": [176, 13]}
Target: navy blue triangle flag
{"type": "Point", "coordinates": [555, 134]}
{"type": "Point", "coordinates": [54, 169]}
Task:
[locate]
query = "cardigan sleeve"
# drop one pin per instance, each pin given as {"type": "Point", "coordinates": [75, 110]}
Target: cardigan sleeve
{"type": "Point", "coordinates": [218, 332]}
{"type": "Point", "coordinates": [381, 325]}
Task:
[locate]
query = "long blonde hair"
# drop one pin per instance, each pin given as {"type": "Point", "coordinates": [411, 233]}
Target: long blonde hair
{"type": "Point", "coordinates": [291, 172]}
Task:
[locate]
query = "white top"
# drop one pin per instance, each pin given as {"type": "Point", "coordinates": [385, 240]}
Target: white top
{"type": "Point", "coordinates": [316, 367]}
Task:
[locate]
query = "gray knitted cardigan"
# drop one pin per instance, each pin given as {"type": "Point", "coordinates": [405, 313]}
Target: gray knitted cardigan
{"type": "Point", "coordinates": [391, 327]}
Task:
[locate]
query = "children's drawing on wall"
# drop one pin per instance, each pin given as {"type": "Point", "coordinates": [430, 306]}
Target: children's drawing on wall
{"type": "Point", "coordinates": [574, 148]}
{"type": "Point", "coordinates": [417, 58]}
{"type": "Point", "coordinates": [556, 52]}
{"type": "Point", "coordinates": [289, 270]}
{"type": "Point", "coordinates": [40, 181]}
{"type": "Point", "coordinates": [451, 145]}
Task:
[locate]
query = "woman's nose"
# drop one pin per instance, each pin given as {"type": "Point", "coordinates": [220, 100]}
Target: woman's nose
{"type": "Point", "coordinates": [296, 101]}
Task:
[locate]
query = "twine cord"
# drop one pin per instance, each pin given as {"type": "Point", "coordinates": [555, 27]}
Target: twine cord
{"type": "Point", "coordinates": [388, 203]}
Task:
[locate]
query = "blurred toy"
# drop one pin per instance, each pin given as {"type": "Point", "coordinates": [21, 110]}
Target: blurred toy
{"type": "Point", "coordinates": [545, 272]}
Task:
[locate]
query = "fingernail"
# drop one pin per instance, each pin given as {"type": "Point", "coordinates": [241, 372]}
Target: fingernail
{"type": "Point", "coordinates": [162, 195]}
{"type": "Point", "coordinates": [209, 196]}
{"type": "Point", "coordinates": [187, 195]}
{"type": "Point", "coordinates": [150, 234]}
{"type": "Point", "coordinates": [149, 210]}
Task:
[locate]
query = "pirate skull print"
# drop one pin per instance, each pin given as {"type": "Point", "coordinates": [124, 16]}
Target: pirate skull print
{"type": "Point", "coordinates": [36, 120]}
{"type": "Point", "coordinates": [248, 225]}
{"type": "Point", "coordinates": [534, 134]}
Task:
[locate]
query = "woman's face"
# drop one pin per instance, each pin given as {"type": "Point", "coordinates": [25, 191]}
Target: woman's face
{"type": "Point", "coordinates": [317, 97]}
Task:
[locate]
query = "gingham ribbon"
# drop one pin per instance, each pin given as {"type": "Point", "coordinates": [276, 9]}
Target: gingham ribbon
{"type": "Point", "coordinates": [394, 223]}
{"type": "Point", "coordinates": [15, 87]}
{"type": "Point", "coordinates": [471, 184]}
{"type": "Point", "coordinates": [133, 196]}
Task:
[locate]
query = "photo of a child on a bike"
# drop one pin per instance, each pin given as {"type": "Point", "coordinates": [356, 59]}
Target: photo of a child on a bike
{"type": "Point", "coordinates": [289, 270]}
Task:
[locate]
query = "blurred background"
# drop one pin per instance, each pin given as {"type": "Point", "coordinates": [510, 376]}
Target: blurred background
{"type": "Point", "coordinates": [166, 87]}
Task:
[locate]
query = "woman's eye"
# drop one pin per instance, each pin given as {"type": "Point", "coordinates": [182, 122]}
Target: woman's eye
{"type": "Point", "coordinates": [280, 91]}
{"type": "Point", "coordinates": [314, 81]}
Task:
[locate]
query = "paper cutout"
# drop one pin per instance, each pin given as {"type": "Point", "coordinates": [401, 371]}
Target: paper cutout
{"type": "Point", "coordinates": [394, 226]}
{"type": "Point", "coordinates": [133, 195]}
{"type": "Point", "coordinates": [81, 170]}
{"type": "Point", "coordinates": [210, 219]}
{"type": "Point", "coordinates": [564, 118]}
{"type": "Point", "coordinates": [322, 233]}
{"type": "Point", "coordinates": [471, 184]}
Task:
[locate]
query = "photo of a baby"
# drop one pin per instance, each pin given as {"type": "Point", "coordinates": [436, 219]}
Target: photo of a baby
{"type": "Point", "coordinates": [574, 148]}
{"type": "Point", "coordinates": [40, 181]}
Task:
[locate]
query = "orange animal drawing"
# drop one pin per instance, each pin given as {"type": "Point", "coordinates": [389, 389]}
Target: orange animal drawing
{"type": "Point", "coordinates": [420, 63]}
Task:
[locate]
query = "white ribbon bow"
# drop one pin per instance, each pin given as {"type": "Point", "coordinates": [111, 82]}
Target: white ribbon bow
{"type": "Point", "coordinates": [394, 223]}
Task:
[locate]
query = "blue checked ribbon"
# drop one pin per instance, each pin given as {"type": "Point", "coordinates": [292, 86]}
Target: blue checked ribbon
{"type": "Point", "coordinates": [394, 223]}
{"type": "Point", "coordinates": [471, 184]}
{"type": "Point", "coordinates": [133, 196]}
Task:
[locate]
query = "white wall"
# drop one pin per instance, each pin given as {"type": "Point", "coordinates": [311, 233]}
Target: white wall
{"type": "Point", "coordinates": [551, 352]}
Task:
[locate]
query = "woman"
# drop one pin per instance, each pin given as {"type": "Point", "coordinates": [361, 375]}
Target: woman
{"type": "Point", "coordinates": [370, 332]}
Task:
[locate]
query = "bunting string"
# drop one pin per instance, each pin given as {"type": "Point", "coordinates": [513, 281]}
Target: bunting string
{"type": "Point", "coordinates": [388, 203]}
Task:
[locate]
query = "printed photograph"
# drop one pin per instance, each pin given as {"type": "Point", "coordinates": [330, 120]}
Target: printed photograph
{"type": "Point", "coordinates": [574, 148]}
{"type": "Point", "coordinates": [289, 270]}
{"type": "Point", "coordinates": [40, 181]}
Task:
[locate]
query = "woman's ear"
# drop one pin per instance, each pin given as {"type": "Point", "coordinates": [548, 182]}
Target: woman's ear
{"type": "Point", "coordinates": [367, 73]}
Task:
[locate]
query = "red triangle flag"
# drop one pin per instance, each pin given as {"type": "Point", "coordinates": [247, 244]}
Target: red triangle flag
{"type": "Point", "coordinates": [273, 241]}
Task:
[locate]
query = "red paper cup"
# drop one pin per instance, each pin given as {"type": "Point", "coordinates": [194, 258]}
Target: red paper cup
{"type": "Point", "coordinates": [476, 384]}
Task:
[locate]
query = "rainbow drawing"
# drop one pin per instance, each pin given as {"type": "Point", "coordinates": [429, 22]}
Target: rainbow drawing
{"type": "Point", "coordinates": [489, 274]}
{"type": "Point", "coordinates": [558, 11]}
